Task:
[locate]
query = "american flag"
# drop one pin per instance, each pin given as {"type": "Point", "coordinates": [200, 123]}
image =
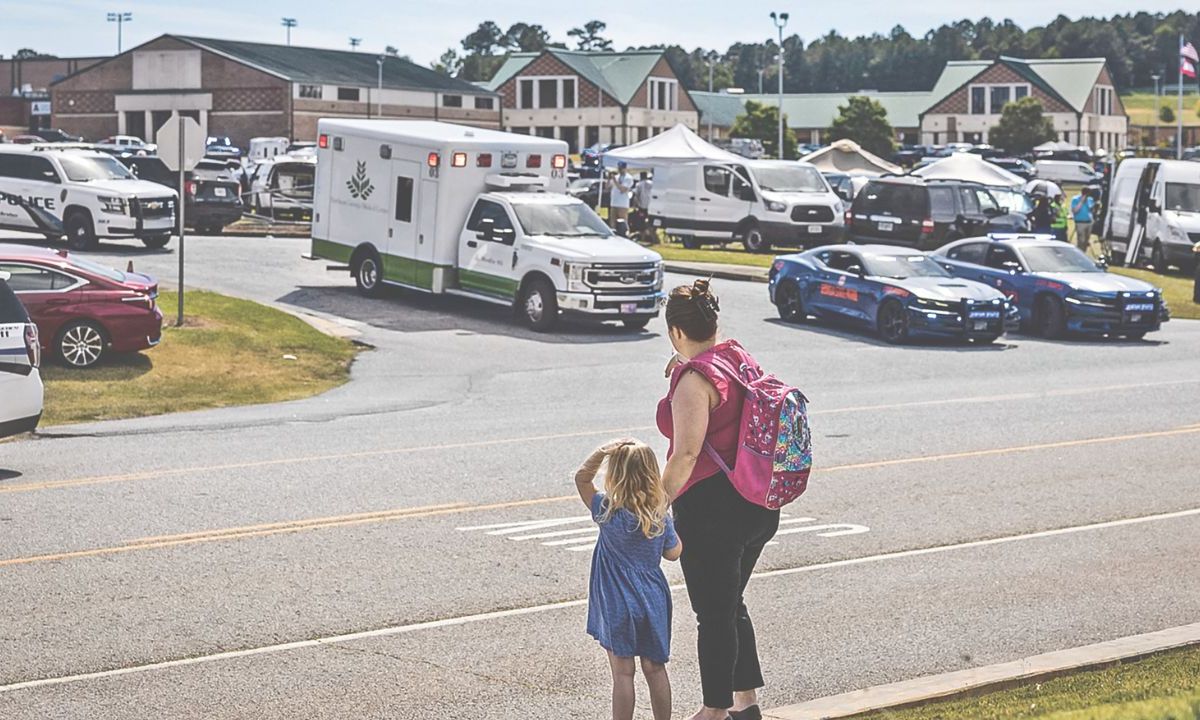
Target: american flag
{"type": "Point", "coordinates": [1188, 52]}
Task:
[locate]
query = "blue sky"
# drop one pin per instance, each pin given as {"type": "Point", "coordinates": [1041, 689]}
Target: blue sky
{"type": "Point", "coordinates": [423, 29]}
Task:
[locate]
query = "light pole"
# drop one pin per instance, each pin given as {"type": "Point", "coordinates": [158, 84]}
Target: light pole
{"type": "Point", "coordinates": [711, 58]}
{"type": "Point", "coordinates": [355, 42]}
{"type": "Point", "coordinates": [780, 20]}
{"type": "Point", "coordinates": [120, 18]}
{"type": "Point", "coordinates": [379, 92]}
{"type": "Point", "coordinates": [289, 23]}
{"type": "Point", "coordinates": [1156, 77]}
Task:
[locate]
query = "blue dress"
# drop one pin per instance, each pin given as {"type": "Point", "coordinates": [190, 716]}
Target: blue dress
{"type": "Point", "coordinates": [629, 601]}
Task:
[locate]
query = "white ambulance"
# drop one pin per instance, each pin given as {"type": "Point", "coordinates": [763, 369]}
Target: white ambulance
{"type": "Point", "coordinates": [445, 208]}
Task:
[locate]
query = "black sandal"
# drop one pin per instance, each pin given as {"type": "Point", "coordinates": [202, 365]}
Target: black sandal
{"type": "Point", "coordinates": [751, 713]}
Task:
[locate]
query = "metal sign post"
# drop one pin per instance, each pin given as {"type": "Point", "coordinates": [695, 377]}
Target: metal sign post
{"type": "Point", "coordinates": [181, 147]}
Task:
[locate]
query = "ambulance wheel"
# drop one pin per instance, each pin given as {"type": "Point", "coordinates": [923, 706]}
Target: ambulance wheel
{"type": "Point", "coordinates": [156, 242]}
{"type": "Point", "coordinates": [538, 305]}
{"type": "Point", "coordinates": [368, 273]}
{"type": "Point", "coordinates": [81, 234]}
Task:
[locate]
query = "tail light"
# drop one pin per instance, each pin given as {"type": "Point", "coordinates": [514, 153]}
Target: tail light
{"type": "Point", "coordinates": [926, 226]}
{"type": "Point", "coordinates": [458, 159]}
{"type": "Point", "coordinates": [849, 218]}
{"type": "Point", "coordinates": [433, 160]}
{"type": "Point", "coordinates": [323, 141]}
{"type": "Point", "coordinates": [33, 348]}
{"type": "Point", "coordinates": [558, 162]}
{"type": "Point", "coordinates": [533, 161]}
{"type": "Point", "coordinates": [190, 187]}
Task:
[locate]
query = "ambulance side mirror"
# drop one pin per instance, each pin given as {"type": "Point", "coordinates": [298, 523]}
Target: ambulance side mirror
{"type": "Point", "coordinates": [487, 230]}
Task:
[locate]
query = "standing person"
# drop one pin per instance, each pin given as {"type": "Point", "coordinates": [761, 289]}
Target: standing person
{"type": "Point", "coordinates": [641, 200]}
{"type": "Point", "coordinates": [1043, 215]}
{"type": "Point", "coordinates": [629, 601]}
{"type": "Point", "coordinates": [1082, 206]}
{"type": "Point", "coordinates": [1059, 224]}
{"type": "Point", "coordinates": [723, 534]}
{"type": "Point", "coordinates": [619, 198]}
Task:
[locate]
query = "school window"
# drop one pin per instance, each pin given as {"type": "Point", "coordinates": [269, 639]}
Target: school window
{"type": "Point", "coordinates": [991, 99]}
{"type": "Point", "coordinates": [568, 92]}
{"type": "Point", "coordinates": [525, 99]}
{"type": "Point", "coordinates": [1021, 91]}
{"type": "Point", "coordinates": [978, 101]}
{"type": "Point", "coordinates": [1000, 96]}
{"type": "Point", "coordinates": [313, 92]}
{"type": "Point", "coordinates": [664, 94]}
{"type": "Point", "coordinates": [485, 103]}
{"type": "Point", "coordinates": [404, 198]}
{"type": "Point", "coordinates": [547, 93]}
{"type": "Point", "coordinates": [348, 93]}
{"type": "Point", "coordinates": [454, 101]}
{"type": "Point", "coordinates": [1104, 101]}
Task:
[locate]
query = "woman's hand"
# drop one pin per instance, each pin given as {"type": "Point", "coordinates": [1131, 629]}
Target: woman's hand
{"type": "Point", "coordinates": [673, 363]}
{"type": "Point", "coordinates": [609, 448]}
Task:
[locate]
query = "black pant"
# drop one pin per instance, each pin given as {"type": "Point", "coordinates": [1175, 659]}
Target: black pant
{"type": "Point", "coordinates": [722, 535]}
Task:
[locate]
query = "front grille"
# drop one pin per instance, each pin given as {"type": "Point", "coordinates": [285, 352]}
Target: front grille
{"type": "Point", "coordinates": [651, 304]}
{"type": "Point", "coordinates": [153, 208]}
{"type": "Point", "coordinates": [622, 278]}
{"type": "Point", "coordinates": [812, 213]}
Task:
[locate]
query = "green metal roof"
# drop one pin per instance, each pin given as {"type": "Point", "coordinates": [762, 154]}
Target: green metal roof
{"type": "Point", "coordinates": [619, 74]}
{"type": "Point", "coordinates": [334, 67]}
{"type": "Point", "coordinates": [955, 75]}
{"type": "Point", "coordinates": [1070, 80]}
{"type": "Point", "coordinates": [818, 110]}
{"type": "Point", "coordinates": [721, 108]}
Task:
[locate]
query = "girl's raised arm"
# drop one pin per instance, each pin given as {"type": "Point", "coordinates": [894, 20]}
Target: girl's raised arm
{"type": "Point", "coordinates": [585, 476]}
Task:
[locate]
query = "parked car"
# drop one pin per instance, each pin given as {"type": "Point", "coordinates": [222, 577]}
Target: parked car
{"type": "Point", "coordinates": [57, 135]}
{"type": "Point", "coordinates": [20, 359]}
{"type": "Point", "coordinates": [1056, 287]}
{"type": "Point", "coordinates": [26, 139]}
{"type": "Point", "coordinates": [126, 145]}
{"type": "Point", "coordinates": [82, 309]}
{"type": "Point", "coordinates": [909, 155]}
{"type": "Point", "coordinates": [926, 214]}
{"type": "Point", "coordinates": [845, 185]}
{"type": "Point", "coordinates": [1164, 197]}
{"type": "Point", "coordinates": [221, 147]}
{"type": "Point", "coordinates": [212, 194]}
{"type": "Point", "coordinates": [898, 293]}
{"type": "Point", "coordinates": [282, 189]}
{"type": "Point", "coordinates": [1069, 171]}
{"type": "Point", "coordinates": [86, 195]}
{"type": "Point", "coordinates": [1021, 168]}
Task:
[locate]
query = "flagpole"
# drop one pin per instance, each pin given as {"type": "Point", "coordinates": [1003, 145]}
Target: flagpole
{"type": "Point", "coordinates": [1179, 115]}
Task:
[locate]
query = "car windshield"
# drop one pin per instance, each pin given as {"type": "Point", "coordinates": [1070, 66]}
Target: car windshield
{"type": "Point", "coordinates": [82, 168]}
{"type": "Point", "coordinates": [1013, 201]}
{"type": "Point", "coordinates": [1057, 258]}
{"type": "Point", "coordinates": [902, 266]}
{"type": "Point", "coordinates": [784, 178]}
{"type": "Point", "coordinates": [97, 269]}
{"type": "Point", "coordinates": [1183, 197]}
{"type": "Point", "coordinates": [560, 220]}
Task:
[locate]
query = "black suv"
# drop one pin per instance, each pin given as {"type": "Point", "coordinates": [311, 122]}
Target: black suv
{"type": "Point", "coordinates": [213, 195]}
{"type": "Point", "coordinates": [926, 214]}
{"type": "Point", "coordinates": [55, 135]}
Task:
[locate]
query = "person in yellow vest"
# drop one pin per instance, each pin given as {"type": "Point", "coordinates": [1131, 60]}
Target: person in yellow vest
{"type": "Point", "coordinates": [1059, 225]}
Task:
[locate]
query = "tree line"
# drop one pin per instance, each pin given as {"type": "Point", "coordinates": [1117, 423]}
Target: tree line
{"type": "Point", "coordinates": [1136, 46]}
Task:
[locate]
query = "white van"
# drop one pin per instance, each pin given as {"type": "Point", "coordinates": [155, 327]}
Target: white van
{"type": "Point", "coordinates": [1164, 197]}
{"type": "Point", "coordinates": [85, 195]}
{"type": "Point", "coordinates": [451, 209]}
{"type": "Point", "coordinates": [759, 202]}
{"type": "Point", "coordinates": [1066, 171]}
{"type": "Point", "coordinates": [20, 356]}
{"type": "Point", "coordinates": [265, 148]}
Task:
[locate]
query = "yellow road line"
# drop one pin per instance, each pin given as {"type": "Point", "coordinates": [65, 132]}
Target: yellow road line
{"type": "Point", "coordinates": [294, 526]}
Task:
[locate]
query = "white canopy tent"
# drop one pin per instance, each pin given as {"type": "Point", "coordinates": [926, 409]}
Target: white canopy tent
{"type": "Point", "coordinates": [1055, 146]}
{"type": "Point", "coordinates": [679, 145]}
{"type": "Point", "coordinates": [847, 156]}
{"type": "Point", "coordinates": [971, 168]}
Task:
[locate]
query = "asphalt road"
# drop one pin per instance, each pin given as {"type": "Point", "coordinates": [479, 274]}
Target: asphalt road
{"type": "Point", "coordinates": [409, 543]}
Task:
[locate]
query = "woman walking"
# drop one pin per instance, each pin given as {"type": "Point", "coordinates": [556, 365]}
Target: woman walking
{"type": "Point", "coordinates": [723, 534]}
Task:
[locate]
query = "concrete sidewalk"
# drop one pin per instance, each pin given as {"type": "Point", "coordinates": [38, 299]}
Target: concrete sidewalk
{"type": "Point", "coordinates": [991, 677]}
{"type": "Point", "coordinates": [723, 271]}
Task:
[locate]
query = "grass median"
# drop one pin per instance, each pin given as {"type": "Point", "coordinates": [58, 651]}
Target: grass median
{"type": "Point", "coordinates": [229, 352]}
{"type": "Point", "coordinates": [1161, 687]}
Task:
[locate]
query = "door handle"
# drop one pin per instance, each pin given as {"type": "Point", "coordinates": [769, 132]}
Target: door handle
{"type": "Point", "coordinates": [472, 243]}
{"type": "Point", "coordinates": [705, 199]}
{"type": "Point", "coordinates": [57, 301]}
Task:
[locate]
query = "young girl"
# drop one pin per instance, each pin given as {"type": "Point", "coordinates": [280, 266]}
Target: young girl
{"type": "Point", "coordinates": [629, 602]}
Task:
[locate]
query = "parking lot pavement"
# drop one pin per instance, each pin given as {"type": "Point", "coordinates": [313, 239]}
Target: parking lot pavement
{"type": "Point", "coordinates": [430, 488]}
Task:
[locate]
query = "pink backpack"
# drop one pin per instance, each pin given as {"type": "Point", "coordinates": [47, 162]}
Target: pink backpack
{"type": "Point", "coordinates": [774, 453]}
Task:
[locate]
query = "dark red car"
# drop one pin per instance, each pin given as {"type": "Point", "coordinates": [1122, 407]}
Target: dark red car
{"type": "Point", "coordinates": [83, 310]}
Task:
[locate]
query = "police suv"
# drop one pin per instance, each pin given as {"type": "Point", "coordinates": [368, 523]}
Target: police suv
{"type": "Point", "coordinates": [82, 194]}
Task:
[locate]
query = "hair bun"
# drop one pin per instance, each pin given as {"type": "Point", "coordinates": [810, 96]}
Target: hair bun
{"type": "Point", "coordinates": [702, 296]}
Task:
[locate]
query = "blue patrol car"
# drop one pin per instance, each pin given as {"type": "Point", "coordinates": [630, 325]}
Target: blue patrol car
{"type": "Point", "coordinates": [1057, 288]}
{"type": "Point", "coordinates": [897, 292]}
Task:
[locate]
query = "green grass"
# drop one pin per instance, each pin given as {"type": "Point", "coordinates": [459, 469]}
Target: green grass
{"type": "Point", "coordinates": [1140, 107]}
{"type": "Point", "coordinates": [734, 255]}
{"type": "Point", "coordinates": [1161, 687]}
{"type": "Point", "coordinates": [229, 352]}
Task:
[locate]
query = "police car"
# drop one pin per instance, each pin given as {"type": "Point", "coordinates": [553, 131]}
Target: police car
{"type": "Point", "coordinates": [20, 355]}
{"type": "Point", "coordinates": [85, 195]}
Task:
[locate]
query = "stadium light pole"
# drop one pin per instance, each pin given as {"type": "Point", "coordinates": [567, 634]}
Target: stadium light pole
{"type": "Point", "coordinates": [1157, 109]}
{"type": "Point", "coordinates": [711, 58]}
{"type": "Point", "coordinates": [120, 18]}
{"type": "Point", "coordinates": [355, 42]}
{"type": "Point", "coordinates": [289, 23]}
{"type": "Point", "coordinates": [780, 20]}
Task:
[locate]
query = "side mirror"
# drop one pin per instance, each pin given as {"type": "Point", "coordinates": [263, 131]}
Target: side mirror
{"type": "Point", "coordinates": [1102, 263]}
{"type": "Point", "coordinates": [504, 236]}
{"type": "Point", "coordinates": [746, 193]}
{"type": "Point", "coordinates": [1012, 267]}
{"type": "Point", "coordinates": [993, 212]}
{"type": "Point", "coordinates": [487, 230]}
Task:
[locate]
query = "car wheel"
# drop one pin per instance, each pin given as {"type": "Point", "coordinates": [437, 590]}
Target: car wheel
{"type": "Point", "coordinates": [987, 339]}
{"type": "Point", "coordinates": [790, 303]}
{"type": "Point", "coordinates": [1158, 258]}
{"type": "Point", "coordinates": [156, 242]}
{"type": "Point", "coordinates": [368, 274]}
{"type": "Point", "coordinates": [538, 305]}
{"type": "Point", "coordinates": [81, 235]}
{"type": "Point", "coordinates": [690, 242]}
{"type": "Point", "coordinates": [636, 323]}
{"type": "Point", "coordinates": [753, 240]}
{"type": "Point", "coordinates": [80, 344]}
{"type": "Point", "coordinates": [1051, 321]}
{"type": "Point", "coordinates": [892, 322]}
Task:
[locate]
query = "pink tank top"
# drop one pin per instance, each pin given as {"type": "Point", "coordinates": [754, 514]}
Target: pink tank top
{"type": "Point", "coordinates": [724, 421]}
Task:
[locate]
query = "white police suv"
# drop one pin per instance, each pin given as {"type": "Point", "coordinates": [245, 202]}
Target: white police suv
{"type": "Point", "coordinates": [82, 194]}
{"type": "Point", "coordinates": [20, 356]}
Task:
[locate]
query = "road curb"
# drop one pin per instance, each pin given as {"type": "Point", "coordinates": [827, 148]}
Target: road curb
{"type": "Point", "coordinates": [722, 272]}
{"type": "Point", "coordinates": [920, 691]}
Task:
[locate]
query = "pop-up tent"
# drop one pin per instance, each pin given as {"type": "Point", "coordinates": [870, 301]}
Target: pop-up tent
{"type": "Point", "coordinates": [1055, 146]}
{"type": "Point", "coordinates": [846, 156]}
{"type": "Point", "coordinates": [678, 145]}
{"type": "Point", "coordinates": [969, 167]}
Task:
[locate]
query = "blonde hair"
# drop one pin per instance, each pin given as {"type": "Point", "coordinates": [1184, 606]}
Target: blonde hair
{"type": "Point", "coordinates": [634, 483]}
